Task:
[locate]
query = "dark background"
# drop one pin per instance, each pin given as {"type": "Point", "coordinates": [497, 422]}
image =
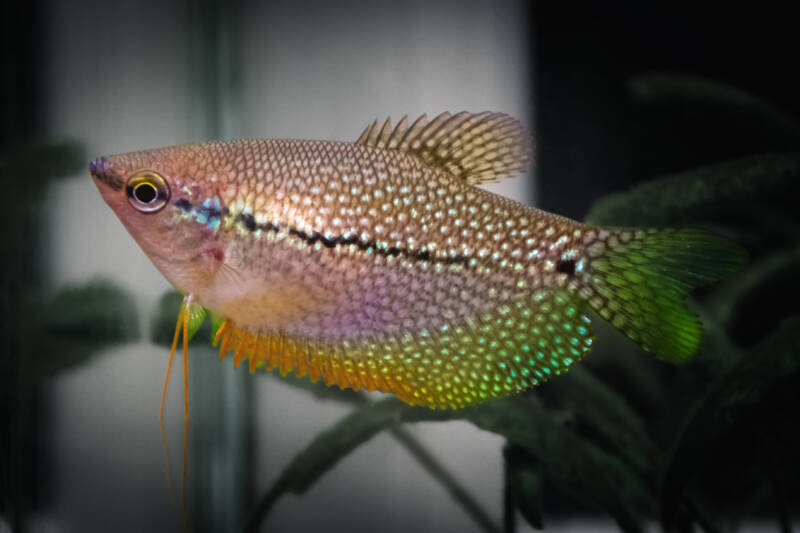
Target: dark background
{"type": "Point", "coordinates": [584, 57]}
{"type": "Point", "coordinates": [590, 130]}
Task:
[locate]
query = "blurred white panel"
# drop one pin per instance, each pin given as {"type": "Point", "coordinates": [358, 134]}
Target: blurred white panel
{"type": "Point", "coordinates": [379, 487]}
{"type": "Point", "coordinates": [325, 70]}
{"type": "Point", "coordinates": [107, 466]}
{"type": "Point", "coordinates": [117, 83]}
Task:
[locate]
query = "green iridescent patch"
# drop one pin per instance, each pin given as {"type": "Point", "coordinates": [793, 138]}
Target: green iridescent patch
{"type": "Point", "coordinates": [492, 356]}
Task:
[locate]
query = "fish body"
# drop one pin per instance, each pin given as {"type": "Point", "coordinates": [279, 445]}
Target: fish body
{"type": "Point", "coordinates": [379, 264]}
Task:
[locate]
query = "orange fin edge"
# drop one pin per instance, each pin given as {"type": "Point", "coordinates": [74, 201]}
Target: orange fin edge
{"type": "Point", "coordinates": [317, 361]}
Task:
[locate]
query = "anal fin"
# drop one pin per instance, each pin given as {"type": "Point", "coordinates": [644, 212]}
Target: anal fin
{"type": "Point", "coordinates": [515, 347]}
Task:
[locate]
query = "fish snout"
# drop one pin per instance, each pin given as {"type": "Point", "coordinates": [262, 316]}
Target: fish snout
{"type": "Point", "coordinates": [103, 173]}
{"type": "Point", "coordinates": [96, 166]}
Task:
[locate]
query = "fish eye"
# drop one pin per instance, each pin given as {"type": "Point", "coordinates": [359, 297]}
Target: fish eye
{"type": "Point", "coordinates": [147, 191]}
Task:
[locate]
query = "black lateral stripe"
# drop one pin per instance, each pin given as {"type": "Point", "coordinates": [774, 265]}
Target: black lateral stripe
{"type": "Point", "coordinates": [248, 221]}
{"type": "Point", "coordinates": [209, 212]}
{"type": "Point", "coordinates": [331, 242]}
{"type": "Point", "coordinates": [184, 204]}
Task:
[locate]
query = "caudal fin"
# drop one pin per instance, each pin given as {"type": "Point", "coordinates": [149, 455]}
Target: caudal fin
{"type": "Point", "coordinates": [638, 281]}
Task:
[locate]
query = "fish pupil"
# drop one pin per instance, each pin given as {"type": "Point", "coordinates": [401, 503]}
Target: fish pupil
{"type": "Point", "coordinates": [145, 193]}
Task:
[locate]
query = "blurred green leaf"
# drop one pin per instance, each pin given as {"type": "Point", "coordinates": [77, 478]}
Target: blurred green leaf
{"type": "Point", "coordinates": [523, 486]}
{"type": "Point", "coordinates": [529, 496]}
{"type": "Point", "coordinates": [619, 364]}
{"type": "Point", "coordinates": [79, 321]}
{"type": "Point", "coordinates": [332, 445]}
{"type": "Point", "coordinates": [762, 296]}
{"type": "Point", "coordinates": [579, 468]}
{"type": "Point", "coordinates": [47, 158]}
{"type": "Point", "coordinates": [703, 107]}
{"type": "Point", "coordinates": [575, 465]}
{"type": "Point", "coordinates": [445, 479]}
{"type": "Point", "coordinates": [606, 418]}
{"type": "Point", "coordinates": [30, 166]}
{"type": "Point", "coordinates": [754, 196]}
{"type": "Point", "coordinates": [730, 398]}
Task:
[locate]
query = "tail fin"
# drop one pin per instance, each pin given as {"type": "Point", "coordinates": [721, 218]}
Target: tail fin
{"type": "Point", "coordinates": [638, 280]}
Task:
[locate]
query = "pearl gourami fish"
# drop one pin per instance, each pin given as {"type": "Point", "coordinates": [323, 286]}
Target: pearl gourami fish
{"type": "Point", "coordinates": [379, 265]}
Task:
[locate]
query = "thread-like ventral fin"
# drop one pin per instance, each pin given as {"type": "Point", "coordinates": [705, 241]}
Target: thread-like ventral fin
{"type": "Point", "coordinates": [476, 147]}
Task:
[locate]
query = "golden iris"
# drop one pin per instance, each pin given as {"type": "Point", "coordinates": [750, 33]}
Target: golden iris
{"type": "Point", "coordinates": [147, 191]}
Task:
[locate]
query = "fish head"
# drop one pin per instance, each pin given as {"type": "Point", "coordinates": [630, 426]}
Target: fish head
{"type": "Point", "coordinates": [152, 193]}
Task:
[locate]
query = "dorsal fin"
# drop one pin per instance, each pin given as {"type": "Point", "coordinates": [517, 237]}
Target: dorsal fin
{"type": "Point", "coordinates": [476, 147]}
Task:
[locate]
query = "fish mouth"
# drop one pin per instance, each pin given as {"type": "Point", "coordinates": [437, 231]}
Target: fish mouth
{"type": "Point", "coordinates": [103, 173]}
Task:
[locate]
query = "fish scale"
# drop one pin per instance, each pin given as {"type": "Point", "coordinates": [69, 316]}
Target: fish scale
{"type": "Point", "coordinates": [379, 265]}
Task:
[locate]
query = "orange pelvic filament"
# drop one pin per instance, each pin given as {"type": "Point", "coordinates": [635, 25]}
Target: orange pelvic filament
{"type": "Point", "coordinates": [183, 320]}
